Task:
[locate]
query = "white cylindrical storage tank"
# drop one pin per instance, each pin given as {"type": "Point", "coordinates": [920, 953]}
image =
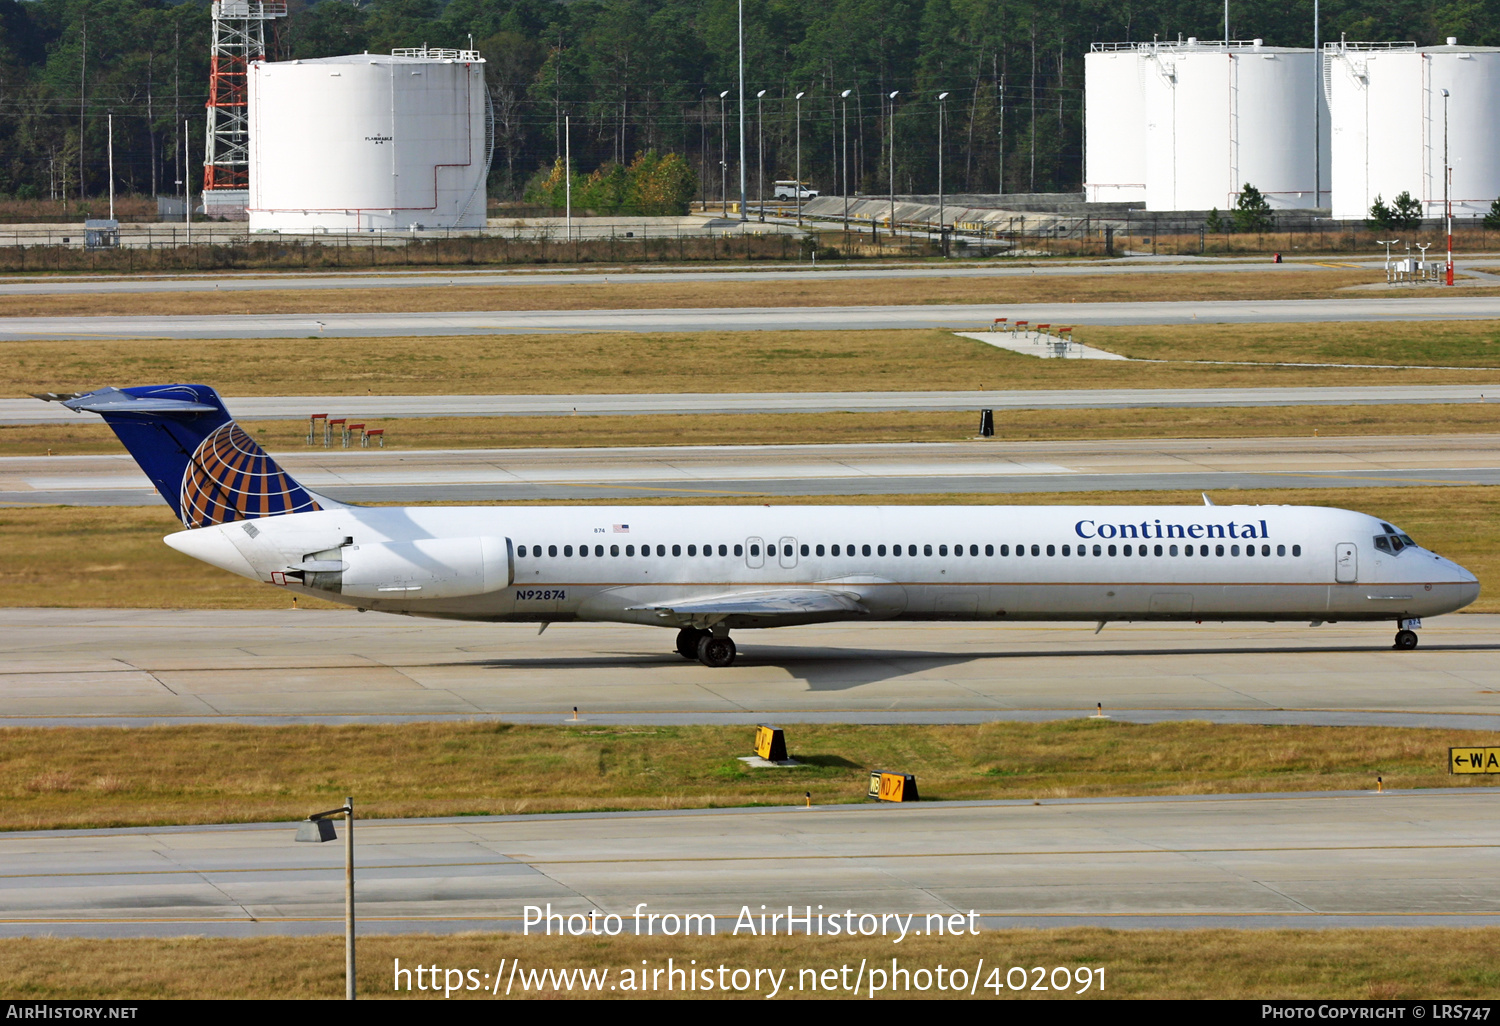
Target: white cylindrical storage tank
{"type": "Point", "coordinates": [368, 142]}
{"type": "Point", "coordinates": [1387, 105]}
{"type": "Point", "coordinates": [1114, 125]}
{"type": "Point", "coordinates": [1219, 116]}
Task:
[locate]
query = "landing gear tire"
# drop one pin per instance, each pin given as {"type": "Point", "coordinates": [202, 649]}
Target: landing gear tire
{"type": "Point", "coordinates": [1406, 639]}
{"type": "Point", "coordinates": [687, 642]}
{"type": "Point", "coordinates": [714, 651]}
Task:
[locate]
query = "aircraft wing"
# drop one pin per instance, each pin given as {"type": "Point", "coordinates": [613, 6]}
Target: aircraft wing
{"type": "Point", "coordinates": [778, 607]}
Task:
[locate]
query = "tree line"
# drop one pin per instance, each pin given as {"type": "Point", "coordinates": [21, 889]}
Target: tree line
{"type": "Point", "coordinates": [636, 76]}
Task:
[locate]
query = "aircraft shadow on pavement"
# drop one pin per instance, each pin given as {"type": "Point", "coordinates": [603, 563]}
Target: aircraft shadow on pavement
{"type": "Point", "coordinates": [841, 669]}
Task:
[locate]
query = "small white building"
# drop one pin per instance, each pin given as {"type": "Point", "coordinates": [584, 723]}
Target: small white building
{"type": "Point", "coordinates": [368, 141]}
{"type": "Point", "coordinates": [1390, 116]}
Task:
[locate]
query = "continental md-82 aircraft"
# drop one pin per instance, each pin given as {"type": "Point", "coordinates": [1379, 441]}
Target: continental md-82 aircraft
{"type": "Point", "coordinates": [706, 570]}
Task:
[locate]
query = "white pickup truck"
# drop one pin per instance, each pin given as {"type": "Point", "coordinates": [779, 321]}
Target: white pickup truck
{"type": "Point", "coordinates": [789, 190]}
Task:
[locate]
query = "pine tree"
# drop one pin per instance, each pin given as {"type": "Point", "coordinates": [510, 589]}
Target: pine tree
{"type": "Point", "coordinates": [1251, 212]}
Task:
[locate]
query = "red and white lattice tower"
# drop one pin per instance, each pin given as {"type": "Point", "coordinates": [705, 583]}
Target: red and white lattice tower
{"type": "Point", "coordinates": [239, 39]}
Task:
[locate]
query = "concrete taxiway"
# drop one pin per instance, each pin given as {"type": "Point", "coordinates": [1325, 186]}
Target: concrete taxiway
{"type": "Point", "coordinates": [688, 472]}
{"type": "Point", "coordinates": [298, 407]}
{"type": "Point", "coordinates": [799, 318]}
{"type": "Point", "coordinates": [136, 667]}
{"type": "Point", "coordinates": [1306, 860]}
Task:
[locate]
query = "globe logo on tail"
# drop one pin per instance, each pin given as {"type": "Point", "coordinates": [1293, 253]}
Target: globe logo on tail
{"type": "Point", "coordinates": [230, 477]}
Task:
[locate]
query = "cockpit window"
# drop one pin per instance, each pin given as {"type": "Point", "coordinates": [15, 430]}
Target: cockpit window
{"type": "Point", "coordinates": [1393, 542]}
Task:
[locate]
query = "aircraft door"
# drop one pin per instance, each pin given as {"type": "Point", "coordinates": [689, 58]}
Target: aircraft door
{"type": "Point", "coordinates": [1345, 563]}
{"type": "Point", "coordinates": [789, 552]}
{"type": "Point", "coordinates": [755, 556]}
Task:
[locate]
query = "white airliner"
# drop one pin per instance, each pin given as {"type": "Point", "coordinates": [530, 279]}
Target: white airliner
{"type": "Point", "coordinates": [705, 570]}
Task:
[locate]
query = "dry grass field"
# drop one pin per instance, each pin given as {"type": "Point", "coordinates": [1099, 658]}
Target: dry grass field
{"type": "Point", "coordinates": [770, 361]}
{"type": "Point", "coordinates": [1305, 965]}
{"type": "Point", "coordinates": [113, 556]}
{"type": "Point", "coordinates": [56, 777]}
{"type": "Point", "coordinates": [1331, 422]}
{"type": "Point", "coordinates": [1284, 283]}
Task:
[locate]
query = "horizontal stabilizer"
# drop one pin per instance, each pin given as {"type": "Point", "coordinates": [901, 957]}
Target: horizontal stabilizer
{"type": "Point", "coordinates": [114, 401]}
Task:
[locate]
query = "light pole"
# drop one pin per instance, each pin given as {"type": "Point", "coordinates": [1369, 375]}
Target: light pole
{"type": "Point", "coordinates": [845, 97]}
{"type": "Point", "coordinates": [568, 174]}
{"type": "Point", "coordinates": [891, 162]}
{"type": "Point", "coordinates": [1317, 112]}
{"type": "Point", "coordinates": [799, 159]}
{"type": "Point", "coordinates": [112, 163]}
{"type": "Point", "coordinates": [1387, 243]}
{"type": "Point", "coordinates": [942, 116]}
{"type": "Point", "coordinates": [723, 155]}
{"type": "Point", "coordinates": [318, 828]}
{"type": "Point", "coordinates": [187, 175]}
{"type": "Point", "coordinates": [1447, 188]}
{"type": "Point", "coordinates": [760, 153]}
{"type": "Point", "coordinates": [744, 214]}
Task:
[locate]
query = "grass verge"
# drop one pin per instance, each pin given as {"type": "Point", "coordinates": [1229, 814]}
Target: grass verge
{"type": "Point", "coordinates": [74, 556]}
{"type": "Point", "coordinates": [1216, 964]}
{"type": "Point", "coordinates": [55, 777]}
{"type": "Point", "coordinates": [279, 436]}
{"type": "Point", "coordinates": [807, 290]}
{"type": "Point", "coordinates": [760, 361]}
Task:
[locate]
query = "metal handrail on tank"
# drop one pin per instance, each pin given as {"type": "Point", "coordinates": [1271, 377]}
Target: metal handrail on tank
{"type": "Point", "coordinates": [1359, 47]}
{"type": "Point", "coordinates": [436, 53]}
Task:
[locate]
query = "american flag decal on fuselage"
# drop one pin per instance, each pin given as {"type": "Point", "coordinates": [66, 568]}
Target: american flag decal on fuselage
{"type": "Point", "coordinates": [230, 478]}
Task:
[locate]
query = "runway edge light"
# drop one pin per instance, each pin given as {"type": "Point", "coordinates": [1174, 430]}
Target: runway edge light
{"type": "Point", "coordinates": [893, 787]}
{"type": "Point", "coordinates": [770, 743]}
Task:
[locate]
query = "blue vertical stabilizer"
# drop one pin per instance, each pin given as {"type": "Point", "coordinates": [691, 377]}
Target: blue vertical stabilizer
{"type": "Point", "coordinates": [203, 463]}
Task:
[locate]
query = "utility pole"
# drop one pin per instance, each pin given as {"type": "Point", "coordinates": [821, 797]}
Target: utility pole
{"type": "Point", "coordinates": [111, 156]}
{"type": "Point", "coordinates": [568, 174]}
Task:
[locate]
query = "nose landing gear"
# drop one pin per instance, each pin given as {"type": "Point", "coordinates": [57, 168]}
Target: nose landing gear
{"type": "Point", "coordinates": [1406, 635]}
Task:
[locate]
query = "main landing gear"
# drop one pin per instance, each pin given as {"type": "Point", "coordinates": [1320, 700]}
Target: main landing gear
{"type": "Point", "coordinates": [1406, 635]}
{"type": "Point", "coordinates": [705, 647]}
